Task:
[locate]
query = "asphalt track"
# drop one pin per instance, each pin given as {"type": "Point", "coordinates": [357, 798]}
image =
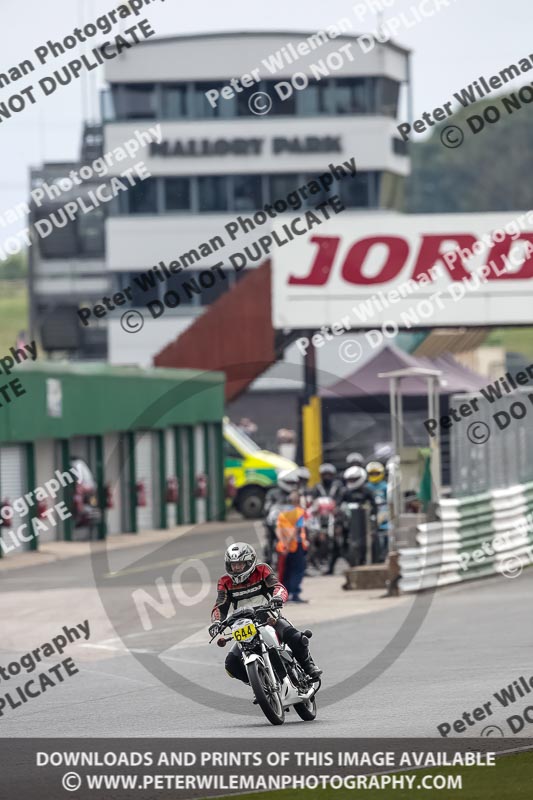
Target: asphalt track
{"type": "Point", "coordinates": [467, 642]}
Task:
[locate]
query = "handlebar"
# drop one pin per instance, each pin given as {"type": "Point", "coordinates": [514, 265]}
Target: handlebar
{"type": "Point", "coordinates": [245, 612]}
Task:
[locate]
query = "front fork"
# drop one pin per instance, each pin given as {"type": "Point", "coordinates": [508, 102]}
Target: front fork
{"type": "Point", "coordinates": [265, 658]}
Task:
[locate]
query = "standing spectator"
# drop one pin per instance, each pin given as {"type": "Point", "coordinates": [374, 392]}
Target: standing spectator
{"type": "Point", "coordinates": [247, 426]}
{"type": "Point", "coordinates": [292, 548]}
{"type": "Point", "coordinates": [276, 500]}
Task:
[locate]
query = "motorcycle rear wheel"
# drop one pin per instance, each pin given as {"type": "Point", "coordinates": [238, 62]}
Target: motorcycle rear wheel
{"type": "Point", "coordinates": [306, 710]}
{"type": "Point", "coordinates": [267, 697]}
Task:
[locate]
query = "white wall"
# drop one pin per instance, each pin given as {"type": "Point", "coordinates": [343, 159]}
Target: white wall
{"type": "Point", "coordinates": [233, 54]}
{"type": "Point", "coordinates": [140, 348]}
{"type": "Point", "coordinates": [368, 139]}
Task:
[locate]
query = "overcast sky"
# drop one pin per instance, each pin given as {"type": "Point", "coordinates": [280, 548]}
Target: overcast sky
{"type": "Point", "coordinates": [468, 39]}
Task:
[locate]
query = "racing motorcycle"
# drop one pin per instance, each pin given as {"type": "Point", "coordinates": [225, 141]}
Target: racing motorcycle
{"type": "Point", "coordinates": [277, 680]}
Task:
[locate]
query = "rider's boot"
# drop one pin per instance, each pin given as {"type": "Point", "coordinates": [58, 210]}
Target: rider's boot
{"type": "Point", "coordinates": [310, 668]}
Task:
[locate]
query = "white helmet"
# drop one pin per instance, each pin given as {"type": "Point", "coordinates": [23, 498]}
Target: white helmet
{"type": "Point", "coordinates": [327, 469]}
{"type": "Point", "coordinates": [288, 480]}
{"type": "Point", "coordinates": [240, 560]}
{"type": "Point", "coordinates": [355, 477]}
{"type": "Point", "coordinates": [356, 459]}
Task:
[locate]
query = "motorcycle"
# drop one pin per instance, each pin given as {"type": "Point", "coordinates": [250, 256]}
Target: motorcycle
{"type": "Point", "coordinates": [356, 533]}
{"type": "Point", "coordinates": [277, 680]}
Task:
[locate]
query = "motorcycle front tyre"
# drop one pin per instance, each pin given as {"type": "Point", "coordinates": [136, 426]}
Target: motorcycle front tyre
{"type": "Point", "coordinates": [268, 700]}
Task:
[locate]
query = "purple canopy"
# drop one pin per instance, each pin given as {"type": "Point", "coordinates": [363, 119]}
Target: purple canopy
{"type": "Point", "coordinates": [364, 382]}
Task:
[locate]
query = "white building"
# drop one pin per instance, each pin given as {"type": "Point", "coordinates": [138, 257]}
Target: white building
{"type": "Point", "coordinates": [219, 160]}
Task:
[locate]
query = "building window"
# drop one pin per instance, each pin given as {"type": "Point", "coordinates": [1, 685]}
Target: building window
{"type": "Point", "coordinates": [213, 193]}
{"type": "Point", "coordinates": [220, 286]}
{"type": "Point", "coordinates": [400, 147]}
{"type": "Point", "coordinates": [142, 198]}
{"type": "Point", "coordinates": [141, 296]}
{"type": "Point", "coordinates": [61, 242]}
{"type": "Point", "coordinates": [313, 101]}
{"type": "Point", "coordinates": [91, 233]}
{"type": "Point", "coordinates": [353, 96]}
{"type": "Point", "coordinates": [203, 108]}
{"type": "Point", "coordinates": [322, 196]}
{"type": "Point", "coordinates": [280, 107]}
{"type": "Point", "coordinates": [177, 194]}
{"type": "Point", "coordinates": [354, 192]}
{"type": "Point", "coordinates": [388, 94]}
{"type": "Point", "coordinates": [280, 186]}
{"type": "Point", "coordinates": [174, 101]}
{"type": "Point", "coordinates": [135, 101]}
{"type": "Point", "coordinates": [247, 193]}
{"type": "Point", "coordinates": [175, 284]}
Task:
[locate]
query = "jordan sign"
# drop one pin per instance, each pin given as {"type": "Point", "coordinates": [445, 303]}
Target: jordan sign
{"type": "Point", "coordinates": [417, 271]}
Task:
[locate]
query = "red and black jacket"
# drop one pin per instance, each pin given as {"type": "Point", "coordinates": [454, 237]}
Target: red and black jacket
{"type": "Point", "coordinates": [259, 587]}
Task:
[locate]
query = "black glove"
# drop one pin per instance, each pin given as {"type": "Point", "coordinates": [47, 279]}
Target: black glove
{"type": "Point", "coordinates": [214, 630]}
{"type": "Point", "coordinates": [276, 602]}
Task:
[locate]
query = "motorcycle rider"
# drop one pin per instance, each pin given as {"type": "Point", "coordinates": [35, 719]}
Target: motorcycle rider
{"type": "Point", "coordinates": [354, 492]}
{"type": "Point", "coordinates": [377, 484]}
{"type": "Point", "coordinates": [355, 460]}
{"type": "Point", "coordinates": [329, 485]}
{"type": "Point", "coordinates": [303, 479]}
{"type": "Point", "coordinates": [249, 583]}
{"type": "Point", "coordinates": [275, 499]}
{"type": "Point", "coordinates": [303, 487]}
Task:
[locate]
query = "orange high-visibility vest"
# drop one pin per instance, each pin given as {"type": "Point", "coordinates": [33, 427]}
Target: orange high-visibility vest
{"type": "Point", "coordinates": [290, 530]}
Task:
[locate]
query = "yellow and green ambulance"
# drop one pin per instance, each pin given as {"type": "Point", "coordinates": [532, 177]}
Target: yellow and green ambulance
{"type": "Point", "coordinates": [252, 471]}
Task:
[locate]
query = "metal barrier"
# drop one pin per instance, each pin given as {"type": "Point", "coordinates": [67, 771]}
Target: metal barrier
{"type": "Point", "coordinates": [476, 537]}
{"type": "Point", "coordinates": [502, 460]}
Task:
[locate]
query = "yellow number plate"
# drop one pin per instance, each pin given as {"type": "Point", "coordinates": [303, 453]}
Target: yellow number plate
{"type": "Point", "coordinates": [245, 633]}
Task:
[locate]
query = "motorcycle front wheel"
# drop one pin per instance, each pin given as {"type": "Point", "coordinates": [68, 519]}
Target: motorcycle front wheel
{"type": "Point", "coordinates": [267, 697]}
{"type": "Point", "coordinates": [306, 710]}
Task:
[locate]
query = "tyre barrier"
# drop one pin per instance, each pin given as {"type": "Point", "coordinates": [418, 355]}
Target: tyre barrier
{"type": "Point", "coordinates": [476, 537]}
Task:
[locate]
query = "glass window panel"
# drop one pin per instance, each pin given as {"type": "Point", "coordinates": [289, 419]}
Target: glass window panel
{"type": "Point", "coordinates": [313, 100]}
{"type": "Point", "coordinates": [175, 284]}
{"type": "Point", "coordinates": [174, 101]}
{"type": "Point", "coordinates": [279, 107]}
{"type": "Point", "coordinates": [203, 108]}
{"type": "Point", "coordinates": [212, 193]}
{"type": "Point", "coordinates": [142, 198]}
{"type": "Point", "coordinates": [220, 286]}
{"type": "Point", "coordinates": [321, 196]}
{"type": "Point", "coordinates": [139, 297]}
{"type": "Point", "coordinates": [91, 233]}
{"type": "Point", "coordinates": [279, 186]}
{"type": "Point", "coordinates": [135, 101]}
{"type": "Point", "coordinates": [351, 96]}
{"type": "Point", "coordinates": [389, 92]}
{"type": "Point", "coordinates": [247, 193]}
{"type": "Point", "coordinates": [354, 192]}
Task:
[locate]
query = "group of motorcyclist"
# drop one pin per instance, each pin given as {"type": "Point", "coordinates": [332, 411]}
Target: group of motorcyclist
{"type": "Point", "coordinates": [334, 510]}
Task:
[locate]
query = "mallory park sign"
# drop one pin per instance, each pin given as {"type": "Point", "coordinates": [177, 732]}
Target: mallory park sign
{"type": "Point", "coordinates": [253, 146]}
{"type": "Point", "coordinates": [362, 271]}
